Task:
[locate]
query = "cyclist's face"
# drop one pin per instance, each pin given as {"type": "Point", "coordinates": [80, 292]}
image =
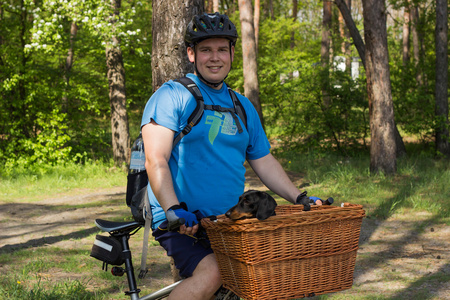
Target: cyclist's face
{"type": "Point", "coordinates": [213, 58]}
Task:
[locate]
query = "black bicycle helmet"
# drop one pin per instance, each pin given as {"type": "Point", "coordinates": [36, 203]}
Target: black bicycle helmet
{"type": "Point", "coordinates": [207, 26]}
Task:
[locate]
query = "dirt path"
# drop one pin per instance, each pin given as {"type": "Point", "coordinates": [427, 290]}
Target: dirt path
{"type": "Point", "coordinates": [404, 257]}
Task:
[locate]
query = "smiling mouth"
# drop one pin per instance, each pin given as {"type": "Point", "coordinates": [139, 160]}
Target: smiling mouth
{"type": "Point", "coordinates": [214, 69]}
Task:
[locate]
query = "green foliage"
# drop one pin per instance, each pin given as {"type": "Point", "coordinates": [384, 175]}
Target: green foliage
{"type": "Point", "coordinates": [413, 82]}
{"type": "Point", "coordinates": [292, 85]}
{"type": "Point", "coordinates": [52, 115]}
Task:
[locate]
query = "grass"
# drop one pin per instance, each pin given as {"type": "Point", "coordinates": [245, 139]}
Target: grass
{"type": "Point", "coordinates": [61, 290]}
{"type": "Point", "coordinates": [70, 178]}
{"type": "Point", "coordinates": [421, 184]}
{"type": "Point", "coordinates": [32, 274]}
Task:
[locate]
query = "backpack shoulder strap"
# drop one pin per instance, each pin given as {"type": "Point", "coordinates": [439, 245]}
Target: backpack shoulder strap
{"type": "Point", "coordinates": [238, 106]}
{"type": "Point", "coordinates": [196, 115]}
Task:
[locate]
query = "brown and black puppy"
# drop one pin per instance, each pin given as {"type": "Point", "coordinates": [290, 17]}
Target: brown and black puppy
{"type": "Point", "coordinates": [253, 204]}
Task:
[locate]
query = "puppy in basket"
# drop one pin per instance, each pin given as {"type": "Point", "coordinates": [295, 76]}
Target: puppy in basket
{"type": "Point", "coordinates": [253, 204]}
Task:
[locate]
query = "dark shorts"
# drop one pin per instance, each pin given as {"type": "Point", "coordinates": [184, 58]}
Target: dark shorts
{"type": "Point", "coordinates": [185, 250]}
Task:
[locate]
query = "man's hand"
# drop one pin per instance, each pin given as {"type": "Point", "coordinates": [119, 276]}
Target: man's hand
{"type": "Point", "coordinates": [187, 221]}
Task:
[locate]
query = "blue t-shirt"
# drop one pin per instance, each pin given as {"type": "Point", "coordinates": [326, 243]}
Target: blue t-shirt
{"type": "Point", "coordinates": [207, 165]}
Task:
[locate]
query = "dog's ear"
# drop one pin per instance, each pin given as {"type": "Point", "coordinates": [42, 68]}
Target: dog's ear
{"type": "Point", "coordinates": [266, 206]}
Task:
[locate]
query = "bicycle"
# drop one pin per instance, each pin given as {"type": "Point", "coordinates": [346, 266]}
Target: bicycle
{"type": "Point", "coordinates": [121, 232]}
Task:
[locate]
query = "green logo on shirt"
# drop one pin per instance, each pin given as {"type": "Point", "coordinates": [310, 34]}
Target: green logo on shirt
{"type": "Point", "coordinates": [220, 122]}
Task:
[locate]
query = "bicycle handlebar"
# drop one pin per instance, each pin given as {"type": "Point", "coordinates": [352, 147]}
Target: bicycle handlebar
{"type": "Point", "coordinates": [174, 222]}
{"type": "Point", "coordinates": [174, 225]}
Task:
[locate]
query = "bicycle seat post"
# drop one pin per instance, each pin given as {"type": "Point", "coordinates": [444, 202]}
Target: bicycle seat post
{"type": "Point", "coordinates": [134, 291]}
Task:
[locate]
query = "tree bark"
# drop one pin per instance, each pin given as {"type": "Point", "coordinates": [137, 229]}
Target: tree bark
{"type": "Point", "coordinates": [294, 19]}
{"type": "Point", "coordinates": [117, 94]}
{"type": "Point", "coordinates": [209, 6]}
{"type": "Point", "coordinates": [346, 44]}
{"type": "Point", "coordinates": [251, 85]}
{"type": "Point", "coordinates": [361, 48]}
{"type": "Point", "coordinates": [414, 15]}
{"type": "Point", "coordinates": [169, 56]}
{"type": "Point", "coordinates": [268, 9]}
{"type": "Point", "coordinates": [381, 110]}
{"type": "Point", "coordinates": [406, 34]}
{"type": "Point", "coordinates": [325, 50]}
{"type": "Point", "coordinates": [256, 22]}
{"type": "Point", "coordinates": [354, 32]}
{"type": "Point", "coordinates": [441, 96]}
{"type": "Point", "coordinates": [326, 34]}
{"type": "Point", "coordinates": [68, 65]}
{"type": "Point", "coordinates": [169, 22]}
{"type": "Point", "coordinates": [345, 38]}
{"type": "Point", "coordinates": [26, 126]}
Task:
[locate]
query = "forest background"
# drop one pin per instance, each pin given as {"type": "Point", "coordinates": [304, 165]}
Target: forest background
{"type": "Point", "coordinates": [57, 140]}
{"type": "Point", "coordinates": [55, 104]}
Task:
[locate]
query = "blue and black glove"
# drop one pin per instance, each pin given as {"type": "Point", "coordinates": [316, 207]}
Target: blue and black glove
{"type": "Point", "coordinates": [178, 215]}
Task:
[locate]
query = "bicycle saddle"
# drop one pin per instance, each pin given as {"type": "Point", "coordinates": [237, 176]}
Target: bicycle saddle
{"type": "Point", "coordinates": [123, 227]}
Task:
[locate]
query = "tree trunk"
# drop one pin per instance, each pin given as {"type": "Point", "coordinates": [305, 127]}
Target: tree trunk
{"type": "Point", "coordinates": [209, 6]}
{"type": "Point", "coordinates": [169, 56]}
{"type": "Point", "coordinates": [406, 33]}
{"type": "Point", "coordinates": [325, 49]}
{"type": "Point", "coordinates": [345, 39]}
{"type": "Point", "coordinates": [441, 108]}
{"type": "Point", "coordinates": [268, 9]}
{"type": "Point", "coordinates": [251, 85]}
{"type": "Point", "coordinates": [256, 22]}
{"type": "Point", "coordinates": [381, 110]}
{"type": "Point", "coordinates": [294, 19]}
{"type": "Point", "coordinates": [68, 66]}
{"type": "Point", "coordinates": [169, 22]}
{"type": "Point", "coordinates": [22, 86]}
{"type": "Point", "coordinates": [216, 5]}
{"type": "Point", "coordinates": [414, 15]}
{"type": "Point", "coordinates": [346, 45]}
{"type": "Point", "coordinates": [361, 48]}
{"type": "Point", "coordinates": [326, 34]}
{"type": "Point", "coordinates": [117, 95]}
{"type": "Point", "coordinates": [353, 30]}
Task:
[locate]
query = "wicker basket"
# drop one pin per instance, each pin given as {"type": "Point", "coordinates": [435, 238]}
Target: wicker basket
{"type": "Point", "coordinates": [291, 255]}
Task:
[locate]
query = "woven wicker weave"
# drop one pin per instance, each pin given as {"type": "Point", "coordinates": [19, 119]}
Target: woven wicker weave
{"type": "Point", "coordinates": [291, 255]}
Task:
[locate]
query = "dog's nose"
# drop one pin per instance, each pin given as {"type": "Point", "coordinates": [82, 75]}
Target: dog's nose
{"type": "Point", "coordinates": [228, 213]}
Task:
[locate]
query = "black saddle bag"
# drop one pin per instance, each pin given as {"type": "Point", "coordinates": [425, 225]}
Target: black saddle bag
{"type": "Point", "coordinates": [108, 250]}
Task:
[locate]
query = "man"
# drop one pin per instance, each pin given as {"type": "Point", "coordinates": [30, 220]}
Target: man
{"type": "Point", "coordinates": [205, 169]}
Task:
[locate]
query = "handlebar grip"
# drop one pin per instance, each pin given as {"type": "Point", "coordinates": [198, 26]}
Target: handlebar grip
{"type": "Point", "coordinates": [175, 224]}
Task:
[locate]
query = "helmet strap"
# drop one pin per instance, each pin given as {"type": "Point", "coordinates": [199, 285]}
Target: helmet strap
{"type": "Point", "coordinates": [214, 84]}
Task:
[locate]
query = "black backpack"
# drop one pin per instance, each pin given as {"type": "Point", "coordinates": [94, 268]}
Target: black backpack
{"type": "Point", "coordinates": [137, 197]}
